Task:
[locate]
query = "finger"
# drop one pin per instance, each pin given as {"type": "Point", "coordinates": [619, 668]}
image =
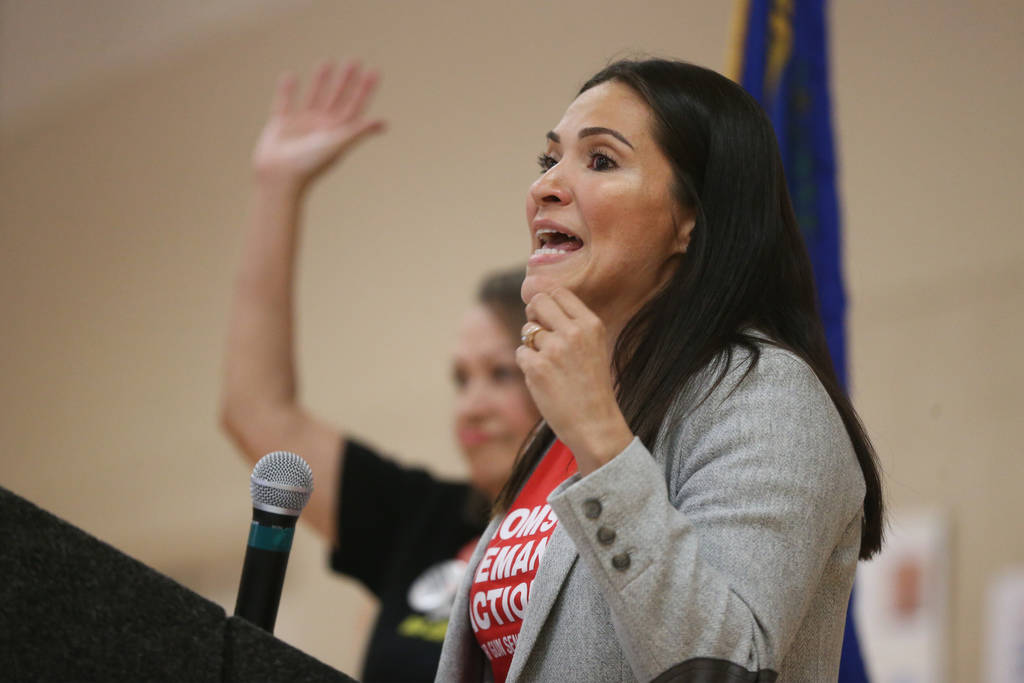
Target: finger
{"type": "Point", "coordinates": [284, 95]}
{"type": "Point", "coordinates": [342, 91]}
{"type": "Point", "coordinates": [546, 311]}
{"type": "Point", "coordinates": [526, 359]}
{"type": "Point", "coordinates": [364, 130]}
{"type": "Point", "coordinates": [570, 303]}
{"type": "Point", "coordinates": [364, 88]}
{"type": "Point", "coordinates": [523, 357]}
{"type": "Point", "coordinates": [318, 88]}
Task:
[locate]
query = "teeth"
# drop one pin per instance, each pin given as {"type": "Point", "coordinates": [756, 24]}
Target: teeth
{"type": "Point", "coordinates": [549, 250]}
{"type": "Point", "coordinates": [544, 233]}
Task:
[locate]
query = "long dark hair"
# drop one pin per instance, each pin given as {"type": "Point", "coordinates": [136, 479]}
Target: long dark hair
{"type": "Point", "coordinates": [746, 266]}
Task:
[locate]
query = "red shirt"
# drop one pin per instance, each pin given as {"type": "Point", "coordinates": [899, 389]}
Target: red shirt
{"type": "Point", "coordinates": [503, 579]}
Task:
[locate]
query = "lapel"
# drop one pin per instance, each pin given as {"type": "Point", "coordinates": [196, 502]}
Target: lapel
{"type": "Point", "coordinates": [559, 558]}
{"type": "Point", "coordinates": [461, 651]}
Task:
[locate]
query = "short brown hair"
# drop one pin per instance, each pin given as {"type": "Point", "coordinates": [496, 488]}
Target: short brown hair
{"type": "Point", "coordinates": [500, 292]}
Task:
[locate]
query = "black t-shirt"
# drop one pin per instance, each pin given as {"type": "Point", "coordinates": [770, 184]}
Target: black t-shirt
{"type": "Point", "coordinates": [398, 527]}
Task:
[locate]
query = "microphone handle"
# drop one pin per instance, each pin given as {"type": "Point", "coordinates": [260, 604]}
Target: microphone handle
{"type": "Point", "coordinates": [266, 558]}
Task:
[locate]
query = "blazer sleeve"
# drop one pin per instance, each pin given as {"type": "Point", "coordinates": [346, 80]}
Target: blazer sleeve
{"type": "Point", "coordinates": [715, 551]}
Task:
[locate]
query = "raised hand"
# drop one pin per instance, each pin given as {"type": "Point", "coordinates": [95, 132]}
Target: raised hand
{"type": "Point", "coordinates": [260, 407]}
{"type": "Point", "coordinates": [303, 138]}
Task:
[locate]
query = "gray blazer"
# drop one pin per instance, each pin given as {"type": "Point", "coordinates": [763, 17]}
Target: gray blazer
{"type": "Point", "coordinates": [735, 544]}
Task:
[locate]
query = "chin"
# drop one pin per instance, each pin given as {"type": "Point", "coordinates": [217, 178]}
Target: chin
{"type": "Point", "coordinates": [487, 483]}
{"type": "Point", "coordinates": [530, 288]}
{"type": "Point", "coordinates": [534, 284]}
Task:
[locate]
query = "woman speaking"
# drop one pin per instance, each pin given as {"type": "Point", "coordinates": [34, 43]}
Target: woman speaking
{"type": "Point", "coordinates": [697, 499]}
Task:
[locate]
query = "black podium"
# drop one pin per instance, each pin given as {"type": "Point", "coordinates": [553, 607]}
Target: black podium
{"type": "Point", "coordinates": [72, 608]}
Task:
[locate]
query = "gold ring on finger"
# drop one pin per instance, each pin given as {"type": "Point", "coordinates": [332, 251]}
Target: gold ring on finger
{"type": "Point", "coordinates": [530, 331]}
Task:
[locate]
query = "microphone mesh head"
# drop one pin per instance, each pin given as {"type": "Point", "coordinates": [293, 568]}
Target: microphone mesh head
{"type": "Point", "coordinates": [281, 482]}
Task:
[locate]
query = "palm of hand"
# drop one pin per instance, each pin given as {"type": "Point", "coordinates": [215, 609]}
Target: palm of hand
{"type": "Point", "coordinates": [302, 140]}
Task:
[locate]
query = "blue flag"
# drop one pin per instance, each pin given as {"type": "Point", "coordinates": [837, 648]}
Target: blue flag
{"type": "Point", "coordinates": [785, 66]}
{"type": "Point", "coordinates": [783, 62]}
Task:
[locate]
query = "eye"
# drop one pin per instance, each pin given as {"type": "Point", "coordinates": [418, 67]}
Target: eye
{"type": "Point", "coordinates": [459, 378]}
{"type": "Point", "coordinates": [546, 161]}
{"type": "Point", "coordinates": [506, 373]}
{"type": "Point", "coordinates": [601, 162]}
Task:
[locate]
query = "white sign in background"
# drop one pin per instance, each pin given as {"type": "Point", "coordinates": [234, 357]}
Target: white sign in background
{"type": "Point", "coordinates": [1004, 629]}
{"type": "Point", "coordinates": [902, 601]}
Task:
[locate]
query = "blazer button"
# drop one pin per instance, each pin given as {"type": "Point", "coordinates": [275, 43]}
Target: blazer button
{"type": "Point", "coordinates": [592, 508]}
{"type": "Point", "coordinates": [621, 561]}
{"type": "Point", "coordinates": [605, 536]}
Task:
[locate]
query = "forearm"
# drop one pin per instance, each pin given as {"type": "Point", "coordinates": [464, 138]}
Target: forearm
{"type": "Point", "coordinates": [260, 407]}
{"type": "Point", "coordinates": [719, 541]}
{"type": "Point", "coordinates": [259, 363]}
{"type": "Point", "coordinates": [668, 603]}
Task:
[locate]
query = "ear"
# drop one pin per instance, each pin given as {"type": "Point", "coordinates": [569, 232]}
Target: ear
{"type": "Point", "coordinates": [686, 219]}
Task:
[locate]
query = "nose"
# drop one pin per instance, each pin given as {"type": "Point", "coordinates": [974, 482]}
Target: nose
{"type": "Point", "coordinates": [550, 188]}
{"type": "Point", "coordinates": [474, 400]}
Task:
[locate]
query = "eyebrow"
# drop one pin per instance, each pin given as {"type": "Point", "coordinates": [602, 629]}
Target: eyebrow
{"type": "Point", "coordinates": [593, 130]}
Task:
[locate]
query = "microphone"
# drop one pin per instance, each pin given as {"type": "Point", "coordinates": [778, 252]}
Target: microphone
{"type": "Point", "coordinates": [280, 486]}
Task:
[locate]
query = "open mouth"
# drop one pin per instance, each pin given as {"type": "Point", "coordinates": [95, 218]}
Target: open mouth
{"type": "Point", "coordinates": [556, 242]}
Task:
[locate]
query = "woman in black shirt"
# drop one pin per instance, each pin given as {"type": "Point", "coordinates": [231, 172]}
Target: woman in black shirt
{"type": "Point", "coordinates": [397, 530]}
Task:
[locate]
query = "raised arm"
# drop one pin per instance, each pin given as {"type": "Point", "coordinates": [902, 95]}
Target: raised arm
{"type": "Point", "coordinates": [260, 406]}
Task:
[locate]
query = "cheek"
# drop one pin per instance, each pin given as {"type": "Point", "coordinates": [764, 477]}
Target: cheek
{"type": "Point", "coordinates": [640, 226]}
{"type": "Point", "coordinates": [610, 208]}
{"type": "Point", "coordinates": [518, 409]}
{"type": "Point", "coordinates": [531, 209]}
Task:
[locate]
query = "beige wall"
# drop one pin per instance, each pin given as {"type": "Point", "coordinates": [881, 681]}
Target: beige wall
{"type": "Point", "coordinates": [122, 203]}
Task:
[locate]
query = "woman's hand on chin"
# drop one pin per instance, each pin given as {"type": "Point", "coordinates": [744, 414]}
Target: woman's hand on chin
{"type": "Point", "coordinates": [568, 371]}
